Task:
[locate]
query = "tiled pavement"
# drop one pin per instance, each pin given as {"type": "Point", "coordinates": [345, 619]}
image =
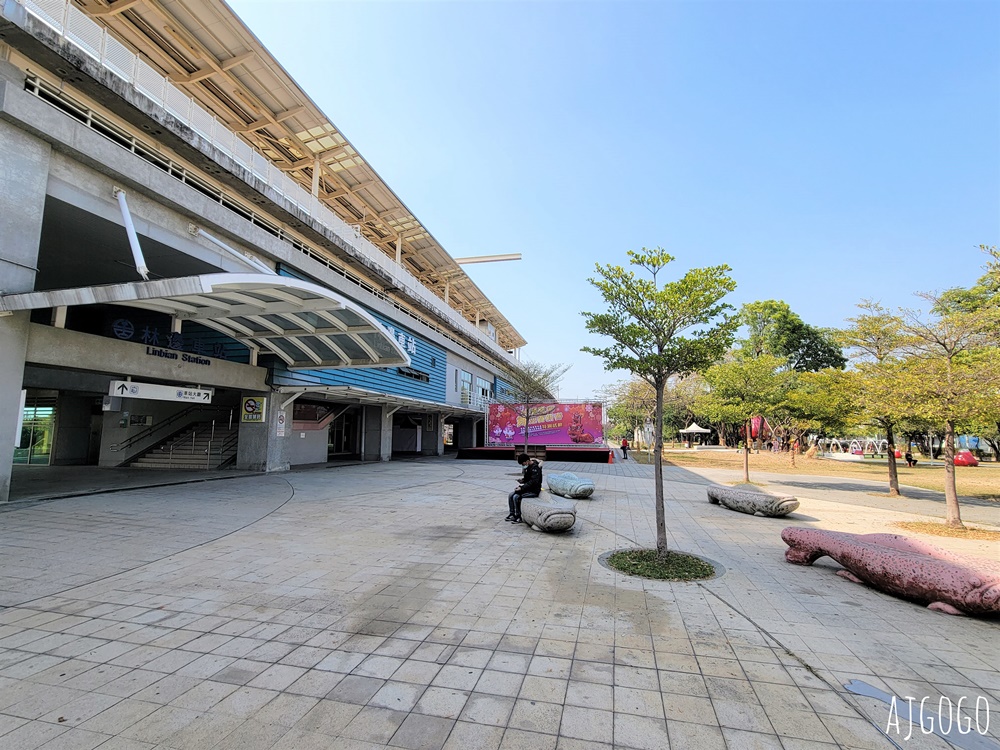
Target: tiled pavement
{"type": "Point", "coordinates": [390, 605]}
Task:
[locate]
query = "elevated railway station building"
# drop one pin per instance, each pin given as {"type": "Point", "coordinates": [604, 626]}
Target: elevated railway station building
{"type": "Point", "coordinates": [197, 268]}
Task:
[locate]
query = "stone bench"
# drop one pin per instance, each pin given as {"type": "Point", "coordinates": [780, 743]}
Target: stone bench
{"type": "Point", "coordinates": [905, 567]}
{"type": "Point", "coordinates": [570, 485]}
{"type": "Point", "coordinates": [752, 501]}
{"type": "Point", "coordinates": [548, 513]}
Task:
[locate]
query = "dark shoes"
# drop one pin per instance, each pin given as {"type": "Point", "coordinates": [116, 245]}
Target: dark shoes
{"type": "Point", "coordinates": [510, 517]}
{"type": "Point", "coordinates": [516, 520]}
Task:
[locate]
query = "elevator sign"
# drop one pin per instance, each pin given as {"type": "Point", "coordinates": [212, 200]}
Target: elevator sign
{"type": "Point", "coordinates": [132, 389]}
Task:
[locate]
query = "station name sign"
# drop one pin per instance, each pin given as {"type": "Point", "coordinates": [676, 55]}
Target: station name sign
{"type": "Point", "coordinates": [155, 351]}
{"type": "Point", "coordinates": [152, 392]}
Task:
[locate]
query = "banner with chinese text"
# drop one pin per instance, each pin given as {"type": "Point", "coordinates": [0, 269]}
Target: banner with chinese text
{"type": "Point", "coordinates": [550, 424]}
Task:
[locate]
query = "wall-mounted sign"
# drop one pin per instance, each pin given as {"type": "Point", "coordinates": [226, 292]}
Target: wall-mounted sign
{"type": "Point", "coordinates": [133, 389]}
{"type": "Point", "coordinates": [253, 409]}
{"type": "Point", "coordinates": [282, 418]}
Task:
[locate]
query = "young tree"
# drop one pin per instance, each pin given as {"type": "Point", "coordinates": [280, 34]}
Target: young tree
{"type": "Point", "coordinates": [875, 339]}
{"type": "Point", "coordinates": [531, 383]}
{"type": "Point", "coordinates": [744, 388]}
{"type": "Point", "coordinates": [659, 330]}
{"type": "Point", "coordinates": [815, 401]}
{"type": "Point", "coordinates": [952, 376]}
{"type": "Point", "coordinates": [630, 403]}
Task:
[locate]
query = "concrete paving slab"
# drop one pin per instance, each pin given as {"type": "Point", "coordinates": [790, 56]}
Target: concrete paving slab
{"type": "Point", "coordinates": [390, 605]}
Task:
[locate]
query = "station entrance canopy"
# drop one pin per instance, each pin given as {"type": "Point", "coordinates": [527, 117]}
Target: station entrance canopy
{"type": "Point", "coordinates": [349, 394]}
{"type": "Point", "coordinates": [302, 323]}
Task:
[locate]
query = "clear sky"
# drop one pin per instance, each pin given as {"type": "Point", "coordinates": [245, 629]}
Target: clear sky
{"type": "Point", "coordinates": [826, 151]}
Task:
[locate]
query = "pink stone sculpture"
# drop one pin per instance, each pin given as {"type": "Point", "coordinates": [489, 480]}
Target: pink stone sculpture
{"type": "Point", "coordinates": [904, 567]}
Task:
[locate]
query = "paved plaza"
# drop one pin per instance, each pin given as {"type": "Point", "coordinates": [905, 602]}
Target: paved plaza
{"type": "Point", "coordinates": [390, 605]}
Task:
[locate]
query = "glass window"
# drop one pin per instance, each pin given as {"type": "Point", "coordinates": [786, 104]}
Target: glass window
{"type": "Point", "coordinates": [465, 386]}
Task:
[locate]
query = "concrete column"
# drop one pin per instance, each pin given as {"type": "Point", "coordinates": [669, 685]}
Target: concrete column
{"type": "Point", "coordinates": [260, 448]}
{"type": "Point", "coordinates": [433, 439]}
{"type": "Point", "coordinates": [385, 442]}
{"type": "Point", "coordinates": [24, 174]}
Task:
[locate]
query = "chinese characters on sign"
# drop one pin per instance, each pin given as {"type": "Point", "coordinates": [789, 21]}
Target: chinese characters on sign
{"type": "Point", "coordinates": [405, 341]}
{"type": "Point", "coordinates": [151, 336]}
{"type": "Point", "coordinates": [253, 409]}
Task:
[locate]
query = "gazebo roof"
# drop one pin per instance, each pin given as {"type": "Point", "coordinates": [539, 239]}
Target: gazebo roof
{"type": "Point", "coordinates": [695, 428]}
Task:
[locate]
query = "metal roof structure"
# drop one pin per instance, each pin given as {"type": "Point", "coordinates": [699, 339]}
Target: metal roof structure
{"type": "Point", "coordinates": [349, 394]}
{"type": "Point", "coordinates": [205, 50]}
{"type": "Point", "coordinates": [304, 324]}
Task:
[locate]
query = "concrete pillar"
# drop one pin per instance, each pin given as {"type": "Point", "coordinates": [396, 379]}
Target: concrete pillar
{"type": "Point", "coordinates": [377, 433]}
{"type": "Point", "coordinates": [433, 437]}
{"type": "Point", "coordinates": [385, 438]}
{"type": "Point", "coordinates": [24, 174]}
{"type": "Point", "coordinates": [260, 448]}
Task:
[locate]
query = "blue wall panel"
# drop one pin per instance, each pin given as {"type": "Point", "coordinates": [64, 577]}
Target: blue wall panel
{"type": "Point", "coordinates": [425, 357]}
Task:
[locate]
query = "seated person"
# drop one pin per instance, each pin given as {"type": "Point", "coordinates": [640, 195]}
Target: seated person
{"type": "Point", "coordinates": [529, 486]}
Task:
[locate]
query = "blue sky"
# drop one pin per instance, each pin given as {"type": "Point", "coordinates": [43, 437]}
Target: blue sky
{"type": "Point", "coordinates": [827, 151]}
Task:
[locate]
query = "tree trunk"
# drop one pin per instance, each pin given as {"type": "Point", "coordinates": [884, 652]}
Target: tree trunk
{"type": "Point", "coordinates": [952, 515]}
{"type": "Point", "coordinates": [893, 475]}
{"type": "Point", "coordinates": [661, 522]}
{"type": "Point", "coordinates": [746, 455]}
{"type": "Point", "coordinates": [527, 422]}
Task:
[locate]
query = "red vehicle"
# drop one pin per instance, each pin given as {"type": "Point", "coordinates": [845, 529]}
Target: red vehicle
{"type": "Point", "coordinates": [965, 458]}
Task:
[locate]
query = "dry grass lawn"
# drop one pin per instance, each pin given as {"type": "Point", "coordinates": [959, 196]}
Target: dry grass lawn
{"type": "Point", "coordinates": [981, 481]}
{"type": "Point", "coordinates": [940, 529]}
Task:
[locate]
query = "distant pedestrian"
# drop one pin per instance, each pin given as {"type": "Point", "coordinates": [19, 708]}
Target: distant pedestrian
{"type": "Point", "coordinates": [909, 459]}
{"type": "Point", "coordinates": [624, 448]}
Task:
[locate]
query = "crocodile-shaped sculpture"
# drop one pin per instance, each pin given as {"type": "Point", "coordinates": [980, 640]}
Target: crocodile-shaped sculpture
{"type": "Point", "coordinates": [570, 485]}
{"type": "Point", "coordinates": [548, 513]}
{"type": "Point", "coordinates": [748, 500]}
{"type": "Point", "coordinates": [904, 567]}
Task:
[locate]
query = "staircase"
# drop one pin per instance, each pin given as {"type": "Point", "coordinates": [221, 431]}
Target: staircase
{"type": "Point", "coordinates": [199, 446]}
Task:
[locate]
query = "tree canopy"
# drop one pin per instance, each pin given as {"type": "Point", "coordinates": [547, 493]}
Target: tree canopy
{"type": "Point", "coordinates": [772, 328]}
{"type": "Point", "coordinates": [657, 331]}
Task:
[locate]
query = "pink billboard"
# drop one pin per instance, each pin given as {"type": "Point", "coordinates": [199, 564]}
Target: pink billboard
{"type": "Point", "coordinates": [551, 424]}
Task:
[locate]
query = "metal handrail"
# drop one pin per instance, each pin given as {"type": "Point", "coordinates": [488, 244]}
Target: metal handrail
{"type": "Point", "coordinates": [98, 43]}
{"type": "Point", "coordinates": [151, 430]}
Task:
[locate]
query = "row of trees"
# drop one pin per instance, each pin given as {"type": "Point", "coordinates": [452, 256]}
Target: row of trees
{"type": "Point", "coordinates": [911, 369]}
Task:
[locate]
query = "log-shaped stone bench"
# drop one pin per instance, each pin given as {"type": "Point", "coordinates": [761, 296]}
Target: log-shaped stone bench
{"type": "Point", "coordinates": [548, 513]}
{"type": "Point", "coordinates": [747, 500]}
{"type": "Point", "coordinates": [570, 485]}
{"type": "Point", "coordinates": [905, 567]}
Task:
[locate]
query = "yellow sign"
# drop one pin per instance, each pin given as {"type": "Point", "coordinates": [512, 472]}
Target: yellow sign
{"type": "Point", "coordinates": [253, 410]}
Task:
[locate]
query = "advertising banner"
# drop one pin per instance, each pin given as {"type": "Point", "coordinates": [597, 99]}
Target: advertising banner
{"type": "Point", "coordinates": [551, 424]}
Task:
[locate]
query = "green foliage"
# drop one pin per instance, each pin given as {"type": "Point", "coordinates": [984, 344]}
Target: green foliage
{"type": "Point", "coordinates": [984, 296]}
{"type": "Point", "coordinates": [745, 387]}
{"type": "Point", "coordinates": [772, 328]}
{"type": "Point", "coordinates": [629, 403]}
{"type": "Point", "coordinates": [820, 402]}
{"type": "Point", "coordinates": [658, 331]}
{"type": "Point", "coordinates": [951, 374]}
{"type": "Point", "coordinates": [674, 566]}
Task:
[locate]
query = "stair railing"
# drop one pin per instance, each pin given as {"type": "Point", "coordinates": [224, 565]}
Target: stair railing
{"type": "Point", "coordinates": [164, 423]}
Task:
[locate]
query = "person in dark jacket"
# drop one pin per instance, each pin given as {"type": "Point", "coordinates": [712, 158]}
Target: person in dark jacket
{"type": "Point", "coordinates": [529, 486]}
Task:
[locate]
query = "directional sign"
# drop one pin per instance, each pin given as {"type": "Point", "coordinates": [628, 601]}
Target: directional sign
{"type": "Point", "coordinates": [132, 389]}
